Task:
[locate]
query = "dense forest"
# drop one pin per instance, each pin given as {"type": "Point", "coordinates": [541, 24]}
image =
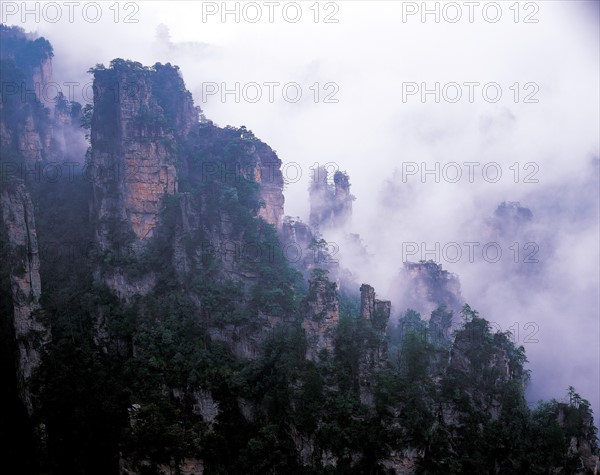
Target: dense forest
{"type": "Point", "coordinates": [143, 333]}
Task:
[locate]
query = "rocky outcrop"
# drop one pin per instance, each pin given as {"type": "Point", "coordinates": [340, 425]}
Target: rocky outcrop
{"type": "Point", "coordinates": [125, 285]}
{"type": "Point", "coordinates": [374, 310]}
{"type": "Point", "coordinates": [139, 113]}
{"type": "Point", "coordinates": [424, 286]}
{"type": "Point", "coordinates": [32, 142]}
{"type": "Point", "coordinates": [377, 313]}
{"type": "Point", "coordinates": [330, 204]}
{"type": "Point", "coordinates": [146, 140]}
{"type": "Point", "coordinates": [321, 312]}
{"type": "Point", "coordinates": [268, 175]}
{"type": "Point", "coordinates": [26, 71]}
{"type": "Point", "coordinates": [295, 232]}
{"type": "Point", "coordinates": [246, 340]}
{"type": "Point", "coordinates": [185, 467]}
{"type": "Point", "coordinates": [509, 220]}
{"type": "Point", "coordinates": [403, 462]}
{"type": "Point", "coordinates": [307, 250]}
{"type": "Point", "coordinates": [440, 338]}
{"type": "Point", "coordinates": [25, 131]}
{"type": "Point", "coordinates": [205, 406]}
{"type": "Point", "coordinates": [245, 158]}
{"type": "Point", "coordinates": [499, 361]}
{"type": "Point", "coordinates": [31, 328]}
{"type": "Point", "coordinates": [42, 76]}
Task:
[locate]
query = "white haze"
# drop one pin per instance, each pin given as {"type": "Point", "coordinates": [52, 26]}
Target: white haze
{"type": "Point", "coordinates": [370, 132]}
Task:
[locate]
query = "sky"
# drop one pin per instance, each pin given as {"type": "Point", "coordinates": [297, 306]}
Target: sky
{"type": "Point", "coordinates": [515, 115]}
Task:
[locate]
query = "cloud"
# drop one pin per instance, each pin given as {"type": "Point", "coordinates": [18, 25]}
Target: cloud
{"type": "Point", "coordinates": [373, 131]}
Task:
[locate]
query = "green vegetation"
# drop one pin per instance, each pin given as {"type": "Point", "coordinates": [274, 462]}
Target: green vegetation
{"type": "Point", "coordinates": [163, 375]}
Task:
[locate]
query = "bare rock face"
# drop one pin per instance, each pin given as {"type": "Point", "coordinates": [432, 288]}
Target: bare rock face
{"type": "Point", "coordinates": [5, 135]}
{"type": "Point", "coordinates": [42, 76]}
{"type": "Point", "coordinates": [403, 462]}
{"type": "Point", "coordinates": [268, 174]}
{"type": "Point", "coordinates": [377, 312]}
{"type": "Point", "coordinates": [321, 313]}
{"type": "Point", "coordinates": [31, 328]}
{"type": "Point", "coordinates": [146, 138]}
{"type": "Point", "coordinates": [26, 73]}
{"type": "Point", "coordinates": [135, 125]}
{"type": "Point", "coordinates": [185, 467]}
{"type": "Point", "coordinates": [30, 142]}
{"type": "Point", "coordinates": [206, 406]}
{"type": "Point", "coordinates": [245, 158]}
{"type": "Point", "coordinates": [307, 250]}
{"type": "Point", "coordinates": [125, 286]}
{"type": "Point", "coordinates": [297, 231]}
{"type": "Point", "coordinates": [30, 136]}
{"type": "Point", "coordinates": [247, 341]}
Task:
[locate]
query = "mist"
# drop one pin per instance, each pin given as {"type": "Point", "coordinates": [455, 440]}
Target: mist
{"type": "Point", "coordinates": [379, 134]}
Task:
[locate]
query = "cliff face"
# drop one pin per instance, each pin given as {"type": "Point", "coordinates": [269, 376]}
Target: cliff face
{"type": "Point", "coordinates": [22, 130]}
{"type": "Point", "coordinates": [31, 328]}
{"type": "Point", "coordinates": [268, 175]}
{"type": "Point", "coordinates": [135, 128]}
{"type": "Point", "coordinates": [294, 231]}
{"type": "Point", "coordinates": [582, 448]}
{"type": "Point", "coordinates": [321, 313]}
{"type": "Point", "coordinates": [330, 204]}
{"type": "Point", "coordinates": [33, 140]}
{"type": "Point", "coordinates": [424, 286]}
{"type": "Point", "coordinates": [42, 75]}
{"type": "Point", "coordinates": [229, 157]}
{"type": "Point", "coordinates": [26, 70]}
{"type": "Point", "coordinates": [307, 250]}
{"type": "Point", "coordinates": [377, 312]}
{"type": "Point", "coordinates": [25, 141]}
{"type": "Point", "coordinates": [206, 352]}
{"type": "Point", "coordinates": [147, 144]}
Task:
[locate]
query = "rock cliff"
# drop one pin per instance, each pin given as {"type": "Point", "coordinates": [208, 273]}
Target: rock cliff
{"type": "Point", "coordinates": [25, 142]}
{"type": "Point", "coordinates": [330, 204]}
{"type": "Point", "coordinates": [30, 324]}
{"type": "Point", "coordinates": [139, 115]}
{"type": "Point", "coordinates": [184, 341]}
{"type": "Point", "coordinates": [321, 313]}
{"type": "Point", "coordinates": [377, 313]}
{"type": "Point", "coordinates": [25, 128]}
{"type": "Point", "coordinates": [148, 144]}
{"type": "Point", "coordinates": [424, 286]}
